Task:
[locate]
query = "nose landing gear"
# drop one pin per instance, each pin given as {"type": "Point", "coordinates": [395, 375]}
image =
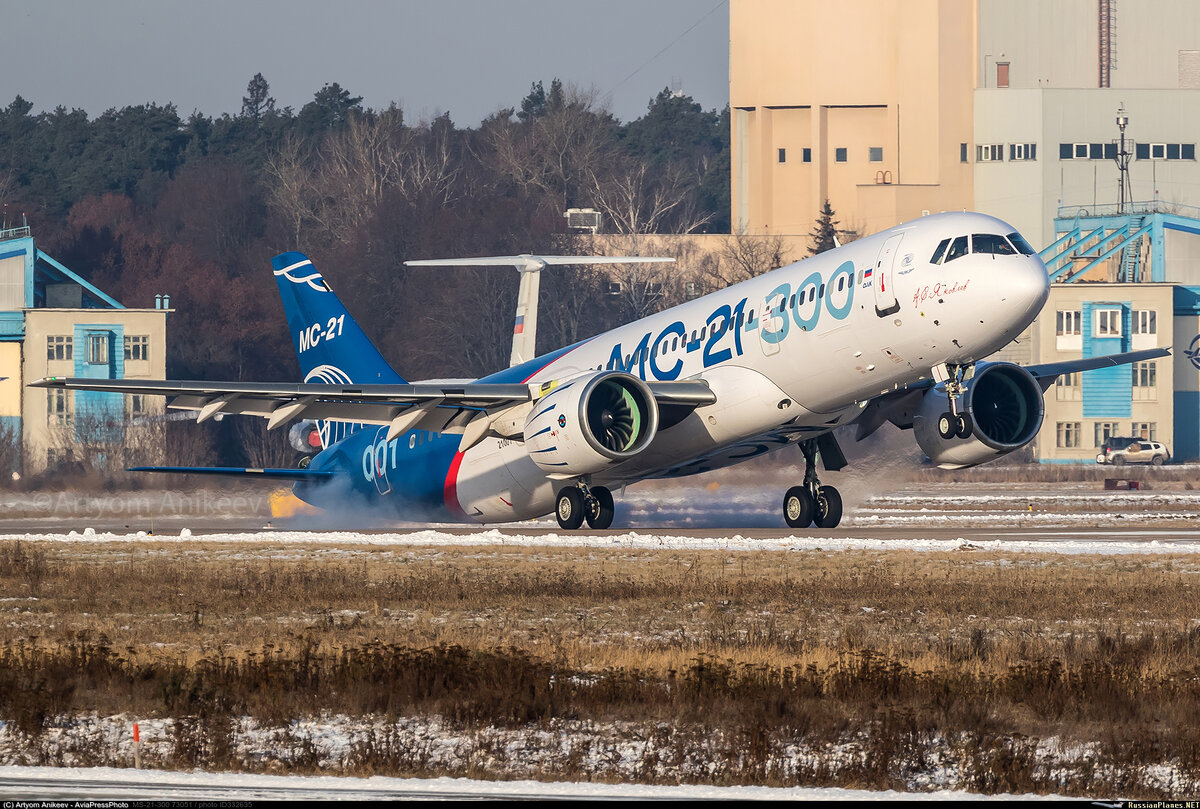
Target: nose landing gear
{"type": "Point", "coordinates": [575, 504]}
{"type": "Point", "coordinates": [953, 424]}
{"type": "Point", "coordinates": [811, 503]}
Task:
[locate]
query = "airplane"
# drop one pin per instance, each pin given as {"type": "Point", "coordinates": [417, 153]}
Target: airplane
{"type": "Point", "coordinates": [894, 327]}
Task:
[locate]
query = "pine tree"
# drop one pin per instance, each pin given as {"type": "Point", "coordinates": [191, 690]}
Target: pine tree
{"type": "Point", "coordinates": [257, 101]}
{"type": "Point", "coordinates": [824, 233]}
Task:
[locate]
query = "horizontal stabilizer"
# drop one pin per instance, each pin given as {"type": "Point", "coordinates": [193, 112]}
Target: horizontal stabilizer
{"type": "Point", "coordinates": [279, 474]}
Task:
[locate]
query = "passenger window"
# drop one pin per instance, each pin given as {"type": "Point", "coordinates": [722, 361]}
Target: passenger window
{"type": "Point", "coordinates": [958, 249]}
{"type": "Point", "coordinates": [940, 252]}
{"type": "Point", "coordinates": [792, 305]}
{"type": "Point", "coordinates": [841, 283]}
{"type": "Point", "coordinates": [1022, 246]}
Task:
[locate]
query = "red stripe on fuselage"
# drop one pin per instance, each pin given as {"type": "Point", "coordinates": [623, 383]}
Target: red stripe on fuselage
{"type": "Point", "coordinates": [450, 490]}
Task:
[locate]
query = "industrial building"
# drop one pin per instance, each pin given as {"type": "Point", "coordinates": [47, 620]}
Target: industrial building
{"type": "Point", "coordinates": [54, 323]}
{"type": "Point", "coordinates": [1074, 120]}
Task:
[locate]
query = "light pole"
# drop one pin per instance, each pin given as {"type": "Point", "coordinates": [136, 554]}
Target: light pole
{"type": "Point", "coordinates": [1122, 158]}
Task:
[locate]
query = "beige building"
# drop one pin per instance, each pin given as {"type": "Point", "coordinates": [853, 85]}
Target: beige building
{"type": "Point", "coordinates": [1082, 410]}
{"type": "Point", "coordinates": [865, 103]}
{"type": "Point", "coordinates": [54, 323]}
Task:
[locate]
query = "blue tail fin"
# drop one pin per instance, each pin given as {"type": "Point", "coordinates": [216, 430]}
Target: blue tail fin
{"type": "Point", "coordinates": [331, 346]}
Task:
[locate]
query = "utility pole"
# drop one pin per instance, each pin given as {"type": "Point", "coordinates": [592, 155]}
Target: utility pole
{"type": "Point", "coordinates": [1125, 192]}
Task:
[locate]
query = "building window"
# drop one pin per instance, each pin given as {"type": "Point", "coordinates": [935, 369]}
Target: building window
{"type": "Point", "coordinates": [137, 347]}
{"type": "Point", "coordinates": [1165, 151]}
{"type": "Point", "coordinates": [875, 154]}
{"type": "Point", "coordinates": [1067, 388]}
{"type": "Point", "coordinates": [137, 405]}
{"type": "Point", "coordinates": [783, 155]}
{"type": "Point", "coordinates": [97, 349]}
{"type": "Point", "coordinates": [1106, 430]}
{"type": "Point", "coordinates": [59, 348]}
{"type": "Point", "coordinates": [1068, 434]}
{"type": "Point", "coordinates": [1002, 74]}
{"type": "Point", "coordinates": [1108, 323]}
{"type": "Point", "coordinates": [1022, 151]}
{"type": "Point", "coordinates": [613, 288]}
{"type": "Point", "coordinates": [806, 155]}
{"type": "Point", "coordinates": [1145, 430]}
{"type": "Point", "coordinates": [989, 152]}
{"type": "Point", "coordinates": [58, 408]}
{"type": "Point", "coordinates": [962, 153]}
{"type": "Point", "coordinates": [1145, 381]}
{"type": "Point", "coordinates": [1145, 321]}
{"type": "Point", "coordinates": [839, 155]}
{"type": "Point", "coordinates": [1067, 322]}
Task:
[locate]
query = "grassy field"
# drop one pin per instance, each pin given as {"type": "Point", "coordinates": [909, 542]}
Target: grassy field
{"type": "Point", "coordinates": [989, 671]}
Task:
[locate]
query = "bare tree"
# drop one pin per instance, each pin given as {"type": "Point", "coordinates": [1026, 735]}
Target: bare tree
{"type": "Point", "coordinates": [635, 200]}
{"type": "Point", "coordinates": [742, 256]}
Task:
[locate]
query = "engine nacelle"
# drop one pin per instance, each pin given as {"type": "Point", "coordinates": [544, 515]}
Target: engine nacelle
{"type": "Point", "coordinates": [1005, 407]}
{"type": "Point", "coordinates": [305, 436]}
{"type": "Point", "coordinates": [590, 423]}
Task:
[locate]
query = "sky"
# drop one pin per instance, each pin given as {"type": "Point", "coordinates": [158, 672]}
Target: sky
{"type": "Point", "coordinates": [468, 57]}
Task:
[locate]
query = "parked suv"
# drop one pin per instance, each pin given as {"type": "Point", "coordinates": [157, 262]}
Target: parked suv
{"type": "Point", "coordinates": [1134, 450]}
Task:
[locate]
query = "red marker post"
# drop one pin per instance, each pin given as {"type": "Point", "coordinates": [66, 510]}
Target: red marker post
{"type": "Point", "coordinates": [137, 747]}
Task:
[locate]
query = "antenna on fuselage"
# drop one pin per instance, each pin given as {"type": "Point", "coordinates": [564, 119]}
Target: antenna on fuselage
{"type": "Point", "coordinates": [530, 267]}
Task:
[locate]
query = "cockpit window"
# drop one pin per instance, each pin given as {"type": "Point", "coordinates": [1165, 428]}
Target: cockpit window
{"type": "Point", "coordinates": [958, 248]}
{"type": "Point", "coordinates": [992, 243]}
{"type": "Point", "coordinates": [941, 249]}
{"type": "Point", "coordinates": [1022, 246]}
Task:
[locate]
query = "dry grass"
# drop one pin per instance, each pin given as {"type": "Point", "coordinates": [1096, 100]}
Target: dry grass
{"type": "Point", "coordinates": [905, 653]}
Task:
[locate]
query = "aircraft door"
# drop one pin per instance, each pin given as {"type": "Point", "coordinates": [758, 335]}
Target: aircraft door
{"type": "Point", "coordinates": [884, 276]}
{"type": "Point", "coordinates": [772, 323]}
{"type": "Point", "coordinates": [381, 448]}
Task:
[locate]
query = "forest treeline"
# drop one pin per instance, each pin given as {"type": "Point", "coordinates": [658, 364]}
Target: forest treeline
{"type": "Point", "coordinates": [142, 201]}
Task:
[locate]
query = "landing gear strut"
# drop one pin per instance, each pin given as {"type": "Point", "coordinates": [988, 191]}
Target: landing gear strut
{"type": "Point", "coordinates": [811, 502]}
{"type": "Point", "coordinates": [953, 423]}
{"type": "Point", "coordinates": [582, 502]}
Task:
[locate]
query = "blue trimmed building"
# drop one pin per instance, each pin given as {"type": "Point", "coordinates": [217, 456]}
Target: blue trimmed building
{"type": "Point", "coordinates": [1120, 282]}
{"type": "Point", "coordinates": [55, 323]}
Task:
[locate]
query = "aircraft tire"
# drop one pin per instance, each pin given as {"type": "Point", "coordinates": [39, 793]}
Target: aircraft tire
{"type": "Point", "coordinates": [829, 507]}
{"type": "Point", "coordinates": [962, 425]}
{"type": "Point", "coordinates": [600, 516]}
{"type": "Point", "coordinates": [570, 508]}
{"type": "Point", "coordinates": [798, 507]}
{"type": "Point", "coordinates": [946, 426]}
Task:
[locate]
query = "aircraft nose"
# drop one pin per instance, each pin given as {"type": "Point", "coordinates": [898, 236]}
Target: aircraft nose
{"type": "Point", "coordinates": [1030, 285]}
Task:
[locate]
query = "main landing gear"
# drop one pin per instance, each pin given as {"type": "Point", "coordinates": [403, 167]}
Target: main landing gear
{"type": "Point", "coordinates": [812, 503]}
{"type": "Point", "coordinates": [952, 423]}
{"type": "Point", "coordinates": [582, 502]}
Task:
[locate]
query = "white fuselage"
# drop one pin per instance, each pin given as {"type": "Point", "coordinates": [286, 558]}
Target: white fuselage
{"type": "Point", "coordinates": [792, 353]}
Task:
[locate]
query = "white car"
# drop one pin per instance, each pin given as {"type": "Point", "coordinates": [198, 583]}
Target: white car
{"type": "Point", "coordinates": [1141, 451]}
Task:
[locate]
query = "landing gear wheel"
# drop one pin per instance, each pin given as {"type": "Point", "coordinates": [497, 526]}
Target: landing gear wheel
{"type": "Point", "coordinates": [962, 425]}
{"type": "Point", "coordinates": [829, 507]}
{"type": "Point", "coordinates": [947, 425]}
{"type": "Point", "coordinates": [798, 507]}
{"type": "Point", "coordinates": [570, 508]}
{"type": "Point", "coordinates": [600, 508]}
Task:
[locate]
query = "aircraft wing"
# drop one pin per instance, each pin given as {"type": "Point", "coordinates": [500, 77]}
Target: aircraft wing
{"type": "Point", "coordinates": [436, 407]}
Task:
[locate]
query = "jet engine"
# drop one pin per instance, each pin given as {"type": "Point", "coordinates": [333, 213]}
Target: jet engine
{"type": "Point", "coordinates": [590, 423]}
{"type": "Point", "coordinates": [1003, 407]}
{"type": "Point", "coordinates": [304, 436]}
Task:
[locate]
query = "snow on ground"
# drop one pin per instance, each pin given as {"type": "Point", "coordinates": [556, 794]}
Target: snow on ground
{"type": "Point", "coordinates": [107, 782]}
{"type": "Point", "coordinates": [1066, 543]}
